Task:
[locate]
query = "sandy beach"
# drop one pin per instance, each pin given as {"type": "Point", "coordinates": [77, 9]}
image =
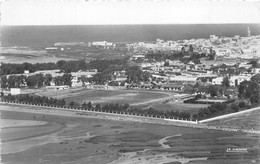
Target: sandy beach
{"type": "Point", "coordinates": [62, 137]}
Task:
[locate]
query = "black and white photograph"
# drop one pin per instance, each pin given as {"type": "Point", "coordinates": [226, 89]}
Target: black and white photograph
{"type": "Point", "coordinates": [129, 81]}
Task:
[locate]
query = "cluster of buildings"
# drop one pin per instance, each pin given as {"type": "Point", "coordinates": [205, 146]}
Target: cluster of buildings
{"type": "Point", "coordinates": [181, 77]}
{"type": "Point", "coordinates": [176, 75]}
{"type": "Point", "coordinates": [227, 47]}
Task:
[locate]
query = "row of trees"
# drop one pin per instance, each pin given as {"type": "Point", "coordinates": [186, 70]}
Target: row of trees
{"type": "Point", "coordinates": [250, 91]}
{"type": "Point", "coordinates": [134, 75]}
{"type": "Point", "coordinates": [34, 81]}
{"type": "Point", "coordinates": [10, 68]}
{"type": "Point", "coordinates": [179, 55]}
{"type": "Point", "coordinates": [111, 108]}
{"type": "Point", "coordinates": [25, 98]}
{"type": "Point", "coordinates": [217, 109]}
{"type": "Point", "coordinates": [64, 66]}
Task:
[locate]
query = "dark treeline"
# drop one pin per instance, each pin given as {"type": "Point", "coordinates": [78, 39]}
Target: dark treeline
{"type": "Point", "coordinates": [110, 108]}
{"type": "Point", "coordinates": [34, 81]}
{"type": "Point", "coordinates": [38, 100]}
{"type": "Point", "coordinates": [184, 56]}
{"type": "Point", "coordinates": [64, 66]}
{"type": "Point", "coordinates": [218, 109]}
{"type": "Point", "coordinates": [134, 74]}
{"type": "Point", "coordinates": [10, 68]}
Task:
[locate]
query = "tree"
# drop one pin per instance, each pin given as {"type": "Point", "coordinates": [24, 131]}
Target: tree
{"type": "Point", "coordinates": [89, 105]}
{"type": "Point", "coordinates": [213, 91]}
{"type": "Point", "coordinates": [98, 106]}
{"type": "Point", "coordinates": [30, 81]}
{"type": "Point", "coordinates": [166, 64]}
{"type": "Point", "coordinates": [60, 63]}
{"type": "Point", "coordinates": [191, 48]}
{"type": "Point", "coordinates": [66, 79]}
{"type": "Point", "coordinates": [212, 54]}
{"type": "Point", "coordinates": [72, 104]}
{"type": "Point", "coordinates": [100, 78]}
{"type": "Point", "coordinates": [84, 105]}
{"type": "Point", "coordinates": [134, 74]}
{"type": "Point", "coordinates": [84, 79]}
{"type": "Point", "coordinates": [248, 88]}
{"type": "Point", "coordinates": [126, 106]}
{"type": "Point", "coordinates": [61, 102]}
{"type": "Point", "coordinates": [254, 63]}
{"type": "Point", "coordinates": [4, 82]}
{"type": "Point", "coordinates": [225, 82]}
{"type": "Point", "coordinates": [58, 80]}
{"type": "Point", "coordinates": [39, 80]}
{"type": "Point", "coordinates": [256, 78]}
{"type": "Point", "coordinates": [254, 99]}
{"type": "Point", "coordinates": [47, 79]}
{"type": "Point", "coordinates": [234, 107]}
{"type": "Point", "coordinates": [242, 104]}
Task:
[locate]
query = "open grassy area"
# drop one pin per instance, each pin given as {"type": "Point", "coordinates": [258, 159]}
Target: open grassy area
{"type": "Point", "coordinates": [89, 140]}
{"type": "Point", "coordinates": [107, 96]}
{"type": "Point", "coordinates": [246, 121]}
{"type": "Point", "coordinates": [179, 106]}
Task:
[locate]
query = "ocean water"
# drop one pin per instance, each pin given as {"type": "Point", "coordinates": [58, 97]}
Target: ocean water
{"type": "Point", "coordinates": [42, 36]}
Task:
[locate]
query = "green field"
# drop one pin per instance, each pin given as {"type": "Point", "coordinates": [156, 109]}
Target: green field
{"type": "Point", "coordinates": [137, 98]}
{"type": "Point", "coordinates": [179, 106]}
{"type": "Point", "coordinates": [109, 96]}
{"type": "Point", "coordinates": [247, 121]}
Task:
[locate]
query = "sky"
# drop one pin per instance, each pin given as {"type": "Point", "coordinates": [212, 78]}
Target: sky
{"type": "Point", "coordinates": [76, 12]}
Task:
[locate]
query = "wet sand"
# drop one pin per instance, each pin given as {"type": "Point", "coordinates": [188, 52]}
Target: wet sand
{"type": "Point", "coordinates": [70, 139]}
{"type": "Point", "coordinates": [8, 123]}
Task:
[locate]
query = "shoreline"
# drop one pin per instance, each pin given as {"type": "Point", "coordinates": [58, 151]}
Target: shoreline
{"type": "Point", "coordinates": [116, 117]}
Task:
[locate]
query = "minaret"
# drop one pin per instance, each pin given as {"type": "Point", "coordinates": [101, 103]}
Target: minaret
{"type": "Point", "coordinates": [248, 32]}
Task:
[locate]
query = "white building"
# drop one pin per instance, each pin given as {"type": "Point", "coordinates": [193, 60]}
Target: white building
{"type": "Point", "coordinates": [62, 87]}
{"type": "Point", "coordinates": [102, 43]}
{"type": "Point", "coordinates": [222, 51]}
{"type": "Point", "coordinates": [15, 91]}
{"type": "Point", "coordinates": [183, 79]}
{"type": "Point", "coordinates": [236, 80]}
{"type": "Point", "coordinates": [75, 82]}
{"type": "Point", "coordinates": [217, 81]}
{"type": "Point", "coordinates": [256, 70]}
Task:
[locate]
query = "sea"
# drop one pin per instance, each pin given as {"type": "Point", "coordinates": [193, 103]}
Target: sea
{"type": "Point", "coordinates": [44, 36]}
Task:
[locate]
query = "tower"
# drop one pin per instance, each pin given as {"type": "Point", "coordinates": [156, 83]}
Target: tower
{"type": "Point", "coordinates": [248, 31]}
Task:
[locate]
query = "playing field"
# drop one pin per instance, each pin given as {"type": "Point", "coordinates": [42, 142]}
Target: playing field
{"type": "Point", "coordinates": [179, 106]}
{"type": "Point", "coordinates": [111, 96]}
{"type": "Point", "coordinates": [249, 121]}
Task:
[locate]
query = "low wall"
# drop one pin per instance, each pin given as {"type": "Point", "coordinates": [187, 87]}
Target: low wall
{"type": "Point", "coordinates": [182, 121]}
{"type": "Point", "coordinates": [104, 112]}
{"type": "Point", "coordinates": [229, 115]}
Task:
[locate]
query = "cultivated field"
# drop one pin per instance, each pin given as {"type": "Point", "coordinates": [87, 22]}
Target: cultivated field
{"type": "Point", "coordinates": [89, 140]}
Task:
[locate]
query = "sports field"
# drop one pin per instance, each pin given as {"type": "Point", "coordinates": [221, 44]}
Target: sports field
{"type": "Point", "coordinates": [110, 96]}
{"type": "Point", "coordinates": [179, 106]}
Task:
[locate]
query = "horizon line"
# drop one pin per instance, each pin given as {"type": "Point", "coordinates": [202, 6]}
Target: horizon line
{"type": "Point", "coordinates": [253, 23]}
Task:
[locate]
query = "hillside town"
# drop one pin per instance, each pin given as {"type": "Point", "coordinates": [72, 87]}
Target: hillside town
{"type": "Point", "coordinates": [180, 66]}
